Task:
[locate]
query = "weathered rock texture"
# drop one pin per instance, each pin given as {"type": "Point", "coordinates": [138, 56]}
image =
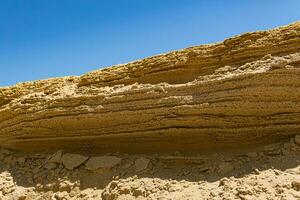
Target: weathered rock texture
{"type": "Point", "coordinates": [239, 92]}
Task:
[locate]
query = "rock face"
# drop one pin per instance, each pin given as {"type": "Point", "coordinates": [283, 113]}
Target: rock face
{"type": "Point", "coordinates": [243, 91]}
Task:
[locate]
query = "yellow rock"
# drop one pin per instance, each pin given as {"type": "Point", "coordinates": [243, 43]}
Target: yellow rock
{"type": "Point", "coordinates": [242, 91]}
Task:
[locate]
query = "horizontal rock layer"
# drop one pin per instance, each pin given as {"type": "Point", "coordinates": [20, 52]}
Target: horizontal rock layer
{"type": "Point", "coordinates": [240, 92]}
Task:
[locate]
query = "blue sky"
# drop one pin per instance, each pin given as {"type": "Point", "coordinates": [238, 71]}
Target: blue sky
{"type": "Point", "coordinates": [49, 38]}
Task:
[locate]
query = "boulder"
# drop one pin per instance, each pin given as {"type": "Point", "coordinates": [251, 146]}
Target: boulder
{"type": "Point", "coordinates": [95, 163]}
{"type": "Point", "coordinates": [71, 161]}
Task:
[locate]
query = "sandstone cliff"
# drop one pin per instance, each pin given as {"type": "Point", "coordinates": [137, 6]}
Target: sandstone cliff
{"type": "Point", "coordinates": [240, 92]}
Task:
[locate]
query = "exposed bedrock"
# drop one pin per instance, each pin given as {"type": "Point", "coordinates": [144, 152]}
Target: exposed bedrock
{"type": "Point", "coordinates": [240, 92]}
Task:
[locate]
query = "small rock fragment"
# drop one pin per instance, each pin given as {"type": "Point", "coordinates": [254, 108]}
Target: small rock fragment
{"type": "Point", "coordinates": [252, 154]}
{"type": "Point", "coordinates": [270, 147]}
{"type": "Point", "coordinates": [65, 186]}
{"type": "Point", "coordinates": [223, 181]}
{"type": "Point", "coordinates": [204, 168]}
{"type": "Point", "coordinates": [61, 195]}
{"type": "Point", "coordinates": [19, 194]}
{"type": "Point", "coordinates": [185, 172]}
{"type": "Point", "coordinates": [50, 165]}
{"type": "Point", "coordinates": [296, 185]}
{"type": "Point", "coordinates": [72, 193]}
{"type": "Point", "coordinates": [95, 163]}
{"type": "Point", "coordinates": [71, 161]}
{"type": "Point", "coordinates": [297, 139]}
{"type": "Point", "coordinates": [272, 150]}
{"type": "Point", "coordinates": [273, 153]}
{"type": "Point", "coordinates": [256, 171]}
{"type": "Point", "coordinates": [141, 164]}
{"type": "Point", "coordinates": [127, 165]}
{"type": "Point", "coordinates": [277, 172]}
{"type": "Point", "coordinates": [20, 160]}
{"type": "Point", "coordinates": [55, 158]}
{"type": "Point", "coordinates": [225, 167]}
{"type": "Point", "coordinates": [5, 152]}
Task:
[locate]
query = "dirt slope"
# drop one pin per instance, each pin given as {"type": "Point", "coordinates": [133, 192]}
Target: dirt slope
{"type": "Point", "coordinates": [236, 93]}
{"type": "Point", "coordinates": [270, 172]}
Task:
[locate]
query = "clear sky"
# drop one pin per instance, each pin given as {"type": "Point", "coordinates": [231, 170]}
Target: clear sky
{"type": "Point", "coordinates": [49, 38]}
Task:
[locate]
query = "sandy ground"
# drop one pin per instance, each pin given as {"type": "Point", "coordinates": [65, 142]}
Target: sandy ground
{"type": "Point", "coordinates": [266, 172]}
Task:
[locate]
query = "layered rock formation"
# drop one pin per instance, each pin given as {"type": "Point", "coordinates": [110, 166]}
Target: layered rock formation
{"type": "Point", "coordinates": [240, 92]}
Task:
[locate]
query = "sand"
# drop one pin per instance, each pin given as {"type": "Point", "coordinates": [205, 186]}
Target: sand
{"type": "Point", "coordinates": [267, 172]}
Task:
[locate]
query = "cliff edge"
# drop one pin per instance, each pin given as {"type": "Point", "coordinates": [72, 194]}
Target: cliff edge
{"type": "Point", "coordinates": [239, 92]}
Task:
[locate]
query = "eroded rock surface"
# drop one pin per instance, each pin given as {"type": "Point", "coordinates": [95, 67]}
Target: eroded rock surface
{"type": "Point", "coordinates": [243, 91]}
